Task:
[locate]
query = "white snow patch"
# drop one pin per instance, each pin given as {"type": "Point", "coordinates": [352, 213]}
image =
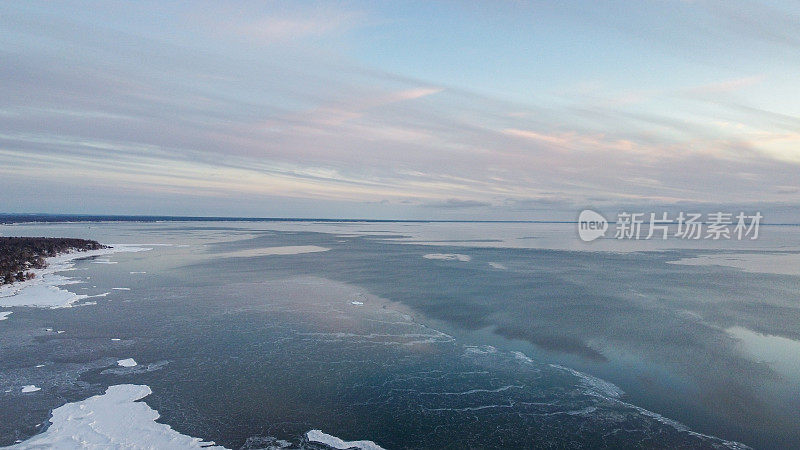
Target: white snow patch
{"type": "Point", "coordinates": [116, 339]}
{"type": "Point", "coordinates": [137, 272]}
{"type": "Point", "coordinates": [335, 442]}
{"type": "Point", "coordinates": [38, 366]}
{"type": "Point", "coordinates": [43, 290]}
{"type": "Point", "coordinates": [4, 314]}
{"type": "Point", "coordinates": [448, 257]}
{"type": "Point", "coordinates": [120, 289]}
{"type": "Point", "coordinates": [44, 293]}
{"type": "Point", "coordinates": [357, 303]}
{"type": "Point", "coordinates": [111, 420]}
{"type": "Point", "coordinates": [30, 388]}
{"type": "Point", "coordinates": [130, 362]}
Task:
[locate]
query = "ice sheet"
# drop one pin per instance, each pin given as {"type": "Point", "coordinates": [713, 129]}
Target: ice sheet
{"type": "Point", "coordinates": [776, 263]}
{"type": "Point", "coordinates": [111, 420]}
{"type": "Point", "coordinates": [335, 442]}
{"type": "Point", "coordinates": [268, 251]}
{"type": "Point", "coordinates": [448, 257]}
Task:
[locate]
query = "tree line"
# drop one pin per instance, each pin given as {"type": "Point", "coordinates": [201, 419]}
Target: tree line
{"type": "Point", "coordinates": [20, 255]}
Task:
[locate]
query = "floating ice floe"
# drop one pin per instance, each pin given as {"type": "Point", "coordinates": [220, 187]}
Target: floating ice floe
{"type": "Point", "coordinates": [111, 420]}
{"type": "Point", "coordinates": [357, 303]}
{"type": "Point", "coordinates": [335, 442]}
{"type": "Point", "coordinates": [30, 388]}
{"type": "Point", "coordinates": [135, 368]}
{"type": "Point", "coordinates": [43, 290]}
{"type": "Point", "coordinates": [130, 362]}
{"type": "Point", "coordinates": [4, 314]}
{"type": "Point", "coordinates": [448, 256]}
{"type": "Point", "coordinates": [121, 289]}
{"type": "Point", "coordinates": [498, 266]}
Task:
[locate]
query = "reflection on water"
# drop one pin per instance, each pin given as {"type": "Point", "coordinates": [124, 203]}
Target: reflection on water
{"type": "Point", "coordinates": [780, 353]}
{"type": "Point", "coordinates": [777, 263]}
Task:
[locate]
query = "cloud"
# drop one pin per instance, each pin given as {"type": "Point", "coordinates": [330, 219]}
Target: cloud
{"type": "Point", "coordinates": [766, 22]}
{"type": "Point", "coordinates": [545, 201]}
{"type": "Point", "coordinates": [266, 23]}
{"type": "Point", "coordinates": [276, 29]}
{"type": "Point", "coordinates": [454, 203]}
{"type": "Point", "coordinates": [726, 86]}
{"type": "Point", "coordinates": [413, 94]}
{"type": "Point", "coordinates": [252, 121]}
{"type": "Point", "coordinates": [575, 140]}
{"type": "Point", "coordinates": [562, 140]}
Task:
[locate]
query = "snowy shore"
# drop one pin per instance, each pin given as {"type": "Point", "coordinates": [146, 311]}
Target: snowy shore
{"type": "Point", "coordinates": [43, 291]}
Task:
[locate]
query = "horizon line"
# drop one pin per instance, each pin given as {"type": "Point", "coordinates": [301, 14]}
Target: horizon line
{"type": "Point", "coordinates": [43, 218]}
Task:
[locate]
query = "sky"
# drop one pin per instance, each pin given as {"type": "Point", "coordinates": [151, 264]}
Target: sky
{"type": "Point", "coordinates": [400, 110]}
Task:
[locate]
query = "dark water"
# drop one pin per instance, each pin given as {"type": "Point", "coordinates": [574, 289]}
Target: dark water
{"type": "Point", "coordinates": [433, 354]}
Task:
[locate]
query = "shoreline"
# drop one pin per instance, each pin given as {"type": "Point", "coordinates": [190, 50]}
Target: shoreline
{"type": "Point", "coordinates": [43, 291]}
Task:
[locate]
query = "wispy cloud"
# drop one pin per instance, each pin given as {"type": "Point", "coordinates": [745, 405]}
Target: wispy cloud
{"type": "Point", "coordinates": [725, 86]}
{"type": "Point", "coordinates": [296, 124]}
{"type": "Point", "coordinates": [268, 23]}
{"type": "Point", "coordinates": [574, 140]}
{"type": "Point", "coordinates": [454, 203]}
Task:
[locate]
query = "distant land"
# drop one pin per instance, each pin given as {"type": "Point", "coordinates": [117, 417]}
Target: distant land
{"type": "Point", "coordinates": [29, 218]}
{"type": "Point", "coordinates": [19, 255]}
{"type": "Point", "coordinates": [6, 219]}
